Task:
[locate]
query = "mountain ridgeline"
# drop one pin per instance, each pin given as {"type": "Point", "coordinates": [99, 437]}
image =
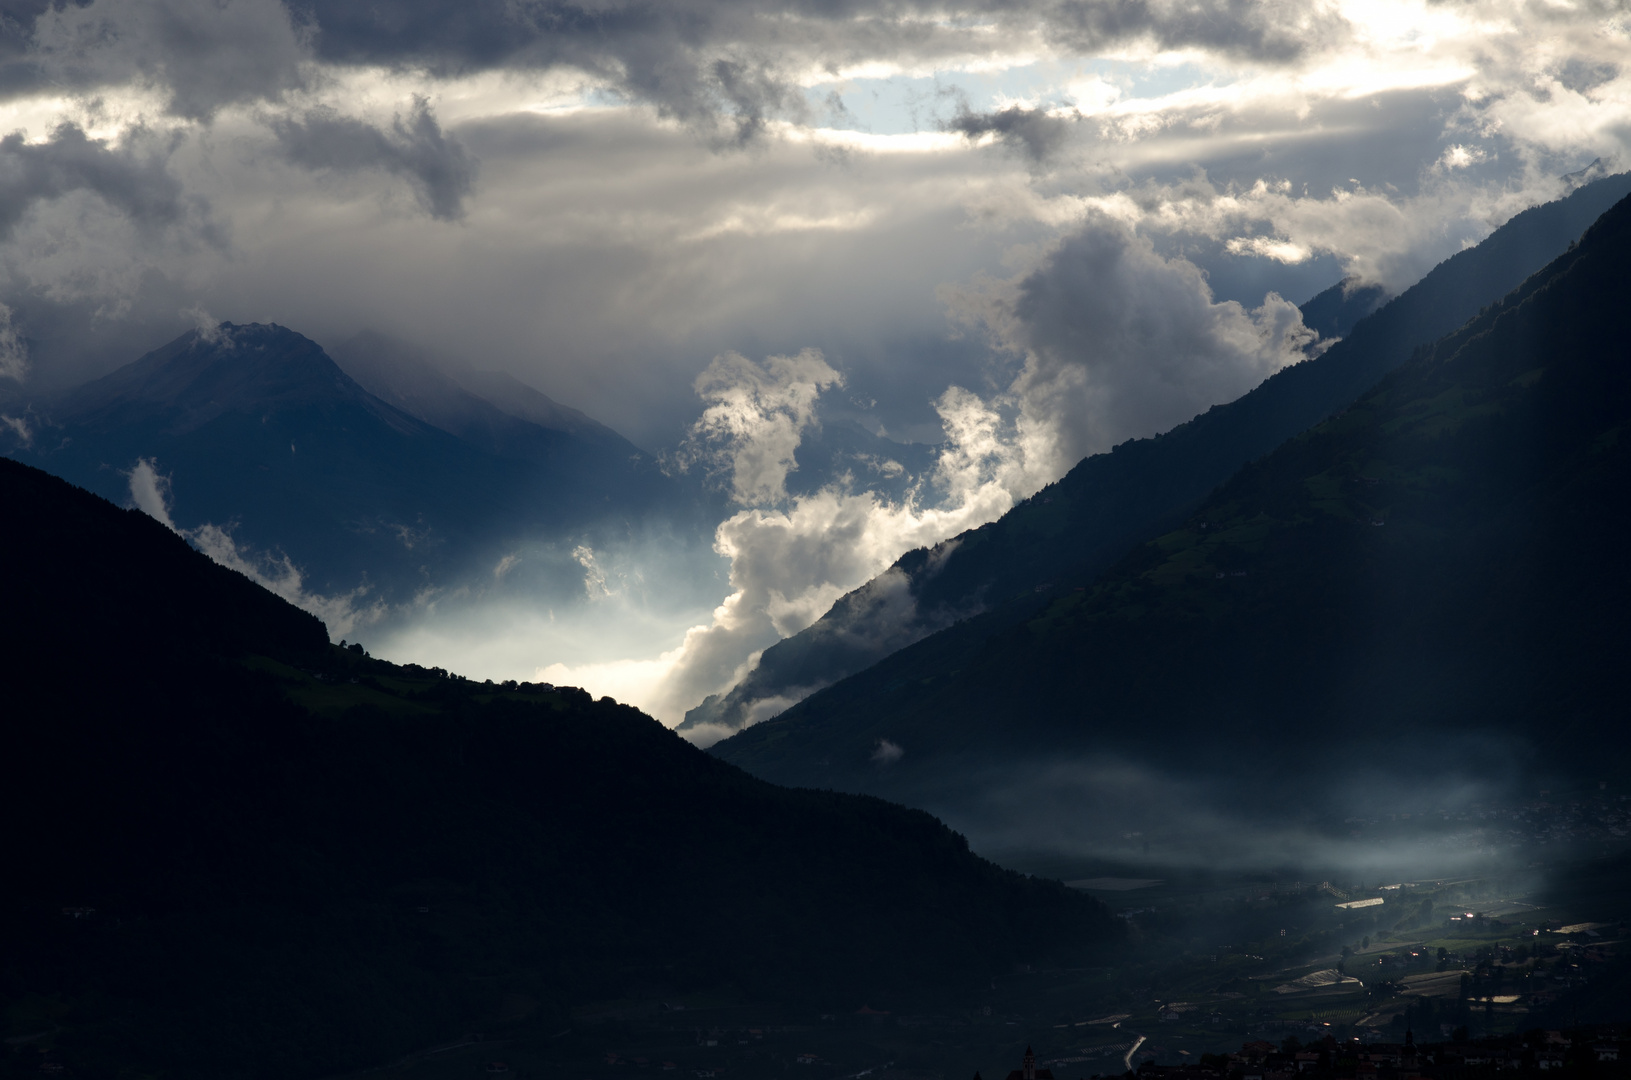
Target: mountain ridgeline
{"type": "Point", "coordinates": [245, 852]}
{"type": "Point", "coordinates": [1431, 580]}
{"type": "Point", "coordinates": [418, 478]}
{"type": "Point", "coordinates": [1081, 525]}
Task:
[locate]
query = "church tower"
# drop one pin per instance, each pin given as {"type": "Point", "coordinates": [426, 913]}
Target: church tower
{"type": "Point", "coordinates": [1029, 1071]}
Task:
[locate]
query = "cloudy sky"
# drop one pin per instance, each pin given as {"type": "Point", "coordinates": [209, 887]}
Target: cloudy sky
{"type": "Point", "coordinates": [1025, 228]}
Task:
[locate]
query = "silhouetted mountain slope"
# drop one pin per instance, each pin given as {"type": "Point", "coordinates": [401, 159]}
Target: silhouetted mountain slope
{"type": "Point", "coordinates": [244, 852]}
{"type": "Point", "coordinates": [1333, 313]}
{"type": "Point", "coordinates": [1080, 525]}
{"type": "Point", "coordinates": [1442, 562]}
{"type": "Point", "coordinates": [84, 577]}
{"type": "Point", "coordinates": [260, 432]}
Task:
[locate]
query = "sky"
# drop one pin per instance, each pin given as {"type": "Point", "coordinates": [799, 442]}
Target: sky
{"type": "Point", "coordinates": [1021, 231]}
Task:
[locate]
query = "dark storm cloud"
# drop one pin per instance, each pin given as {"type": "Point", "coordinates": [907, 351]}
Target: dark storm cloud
{"type": "Point", "coordinates": [708, 63]}
{"type": "Point", "coordinates": [415, 148]}
{"type": "Point", "coordinates": [698, 63]}
{"type": "Point", "coordinates": [504, 33]}
{"type": "Point", "coordinates": [1250, 29]}
{"type": "Point", "coordinates": [203, 55]}
{"type": "Point", "coordinates": [723, 67]}
{"type": "Point", "coordinates": [138, 185]}
{"type": "Point", "coordinates": [1032, 132]}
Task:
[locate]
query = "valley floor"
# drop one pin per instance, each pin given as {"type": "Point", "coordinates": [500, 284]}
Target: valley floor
{"type": "Point", "coordinates": [1217, 961]}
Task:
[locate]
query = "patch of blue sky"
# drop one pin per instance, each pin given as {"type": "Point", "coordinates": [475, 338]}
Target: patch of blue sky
{"type": "Point", "coordinates": [902, 104]}
{"type": "Point", "coordinates": [603, 97]}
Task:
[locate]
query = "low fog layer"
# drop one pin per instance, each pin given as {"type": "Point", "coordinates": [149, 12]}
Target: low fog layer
{"type": "Point", "coordinates": [1368, 820]}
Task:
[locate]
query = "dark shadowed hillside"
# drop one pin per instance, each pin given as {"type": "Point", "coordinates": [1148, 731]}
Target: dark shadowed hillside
{"type": "Point", "coordinates": [1080, 525]}
{"type": "Point", "coordinates": [246, 852]}
{"type": "Point", "coordinates": [1440, 565]}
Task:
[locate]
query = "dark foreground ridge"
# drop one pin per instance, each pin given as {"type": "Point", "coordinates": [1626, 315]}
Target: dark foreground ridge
{"type": "Point", "coordinates": [241, 851]}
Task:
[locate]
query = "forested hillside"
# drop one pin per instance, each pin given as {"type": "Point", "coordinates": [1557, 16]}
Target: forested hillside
{"type": "Point", "coordinates": [242, 851]}
{"type": "Point", "coordinates": [1079, 526]}
{"type": "Point", "coordinates": [1439, 565]}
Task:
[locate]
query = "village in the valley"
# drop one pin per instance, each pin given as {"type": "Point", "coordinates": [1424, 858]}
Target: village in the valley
{"type": "Point", "coordinates": [1515, 963]}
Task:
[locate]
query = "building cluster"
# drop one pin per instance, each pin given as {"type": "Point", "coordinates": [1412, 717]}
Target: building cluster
{"type": "Point", "coordinates": [1602, 822]}
{"type": "Point", "coordinates": [1601, 1053]}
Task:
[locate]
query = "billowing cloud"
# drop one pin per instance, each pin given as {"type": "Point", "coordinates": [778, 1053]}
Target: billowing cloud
{"type": "Point", "coordinates": [13, 354]}
{"type": "Point", "coordinates": [791, 558]}
{"type": "Point", "coordinates": [1278, 31]}
{"type": "Point", "coordinates": [755, 418]}
{"type": "Point", "coordinates": [1036, 133]}
{"type": "Point", "coordinates": [1117, 341]}
{"type": "Point", "coordinates": [136, 183]}
{"type": "Point", "coordinates": [150, 492]}
{"type": "Point", "coordinates": [1120, 342]}
{"type": "Point", "coordinates": [197, 56]}
{"type": "Point", "coordinates": [413, 147]}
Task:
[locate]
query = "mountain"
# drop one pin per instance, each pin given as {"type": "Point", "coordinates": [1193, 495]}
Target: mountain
{"type": "Point", "coordinates": [1108, 502]}
{"type": "Point", "coordinates": [1334, 313]}
{"type": "Point", "coordinates": [246, 852]}
{"type": "Point", "coordinates": [487, 408]}
{"type": "Point", "coordinates": [1429, 584]}
{"type": "Point", "coordinates": [261, 433]}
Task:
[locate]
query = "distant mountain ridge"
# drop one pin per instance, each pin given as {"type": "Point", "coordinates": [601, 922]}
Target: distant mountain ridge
{"type": "Point", "coordinates": [260, 432]}
{"type": "Point", "coordinates": [490, 409]}
{"type": "Point", "coordinates": [1334, 312]}
{"type": "Point", "coordinates": [1081, 524]}
{"type": "Point", "coordinates": [1436, 572]}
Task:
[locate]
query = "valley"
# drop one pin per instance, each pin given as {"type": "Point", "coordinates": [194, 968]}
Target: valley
{"type": "Point", "coordinates": [1422, 591]}
{"type": "Point", "coordinates": [1221, 960]}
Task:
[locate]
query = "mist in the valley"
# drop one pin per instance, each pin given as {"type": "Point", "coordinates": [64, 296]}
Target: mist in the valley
{"type": "Point", "coordinates": [1383, 814]}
